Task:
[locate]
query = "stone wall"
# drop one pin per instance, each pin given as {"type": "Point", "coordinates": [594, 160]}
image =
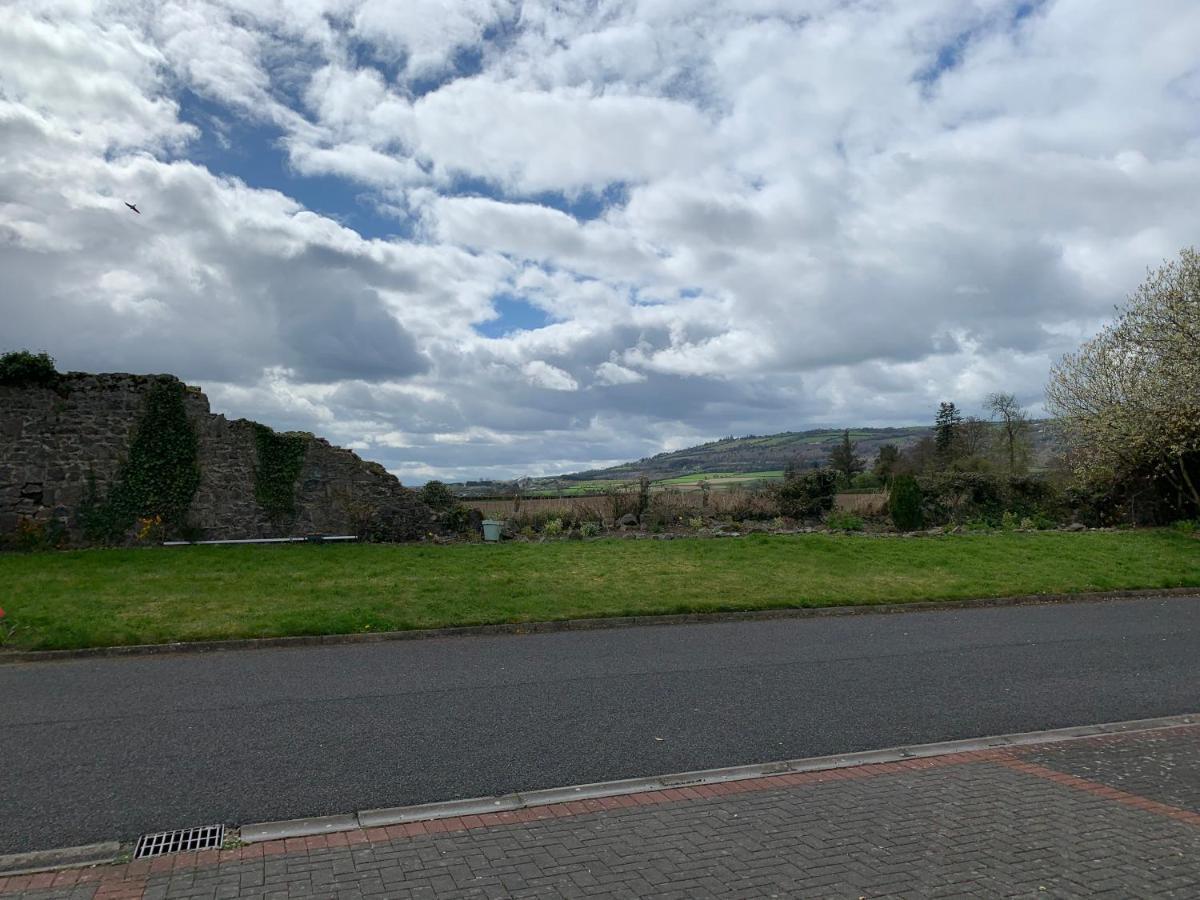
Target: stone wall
{"type": "Point", "coordinates": [53, 440]}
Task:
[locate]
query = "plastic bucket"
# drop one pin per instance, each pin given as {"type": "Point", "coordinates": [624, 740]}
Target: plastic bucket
{"type": "Point", "coordinates": [491, 529]}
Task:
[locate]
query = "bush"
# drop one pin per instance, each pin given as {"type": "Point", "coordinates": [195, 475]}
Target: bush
{"type": "Point", "coordinates": [437, 496]}
{"type": "Point", "coordinates": [553, 528]}
{"type": "Point", "coordinates": [962, 497]}
{"type": "Point", "coordinates": [589, 529]}
{"type": "Point", "coordinates": [21, 368]}
{"type": "Point", "coordinates": [905, 502]}
{"type": "Point", "coordinates": [34, 535]}
{"type": "Point", "coordinates": [807, 495]}
{"type": "Point", "coordinates": [456, 519]}
{"type": "Point", "coordinates": [841, 521]}
{"type": "Point", "coordinates": [1186, 526]}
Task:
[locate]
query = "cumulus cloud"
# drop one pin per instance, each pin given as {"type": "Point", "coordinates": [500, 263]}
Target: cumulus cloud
{"type": "Point", "coordinates": [718, 218]}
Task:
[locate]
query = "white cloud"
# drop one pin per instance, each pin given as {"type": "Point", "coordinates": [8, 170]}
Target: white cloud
{"type": "Point", "coordinates": [613, 373]}
{"type": "Point", "coordinates": [541, 374]}
{"type": "Point", "coordinates": [736, 217]}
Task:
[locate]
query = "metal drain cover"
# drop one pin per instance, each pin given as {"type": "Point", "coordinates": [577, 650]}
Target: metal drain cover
{"type": "Point", "coordinates": [206, 837]}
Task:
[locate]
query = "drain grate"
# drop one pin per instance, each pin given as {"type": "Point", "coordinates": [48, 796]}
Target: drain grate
{"type": "Point", "coordinates": [206, 837]}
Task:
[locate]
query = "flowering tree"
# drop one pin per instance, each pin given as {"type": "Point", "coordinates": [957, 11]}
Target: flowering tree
{"type": "Point", "coordinates": [1129, 399]}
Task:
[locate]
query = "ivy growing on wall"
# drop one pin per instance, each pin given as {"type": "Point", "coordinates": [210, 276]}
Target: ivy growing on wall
{"type": "Point", "coordinates": [280, 457]}
{"type": "Point", "coordinates": [157, 479]}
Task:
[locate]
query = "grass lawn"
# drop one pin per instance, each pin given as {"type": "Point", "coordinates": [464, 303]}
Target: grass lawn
{"type": "Point", "coordinates": [106, 597]}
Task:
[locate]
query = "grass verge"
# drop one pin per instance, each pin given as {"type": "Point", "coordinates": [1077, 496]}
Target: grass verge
{"type": "Point", "coordinates": [92, 598]}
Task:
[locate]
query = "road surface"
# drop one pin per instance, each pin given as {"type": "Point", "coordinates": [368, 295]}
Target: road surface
{"type": "Point", "coordinates": [105, 749]}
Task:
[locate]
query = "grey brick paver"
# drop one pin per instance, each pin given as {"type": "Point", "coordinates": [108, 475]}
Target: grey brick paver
{"type": "Point", "coordinates": [975, 828]}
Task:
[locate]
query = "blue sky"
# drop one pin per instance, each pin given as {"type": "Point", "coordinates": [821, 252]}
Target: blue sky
{"type": "Point", "coordinates": [487, 238]}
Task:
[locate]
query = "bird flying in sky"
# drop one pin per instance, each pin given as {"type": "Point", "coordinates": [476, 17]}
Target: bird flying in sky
{"type": "Point", "coordinates": [134, 208]}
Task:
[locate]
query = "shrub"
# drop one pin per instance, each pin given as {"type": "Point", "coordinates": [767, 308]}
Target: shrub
{"type": "Point", "coordinates": [553, 528]}
{"type": "Point", "coordinates": [34, 535]}
{"type": "Point", "coordinates": [961, 497]}
{"type": "Point", "coordinates": [904, 504]}
{"type": "Point", "coordinates": [456, 518]}
{"type": "Point", "coordinates": [756, 505]}
{"type": "Point", "coordinates": [1186, 526]}
{"type": "Point", "coordinates": [589, 529]}
{"type": "Point", "coordinates": [807, 495]}
{"type": "Point", "coordinates": [438, 497]}
{"type": "Point", "coordinates": [695, 522]}
{"type": "Point", "coordinates": [840, 521]}
{"type": "Point", "coordinates": [21, 368]}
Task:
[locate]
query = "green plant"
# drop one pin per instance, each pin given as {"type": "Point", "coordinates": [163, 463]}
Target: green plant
{"type": "Point", "coordinates": [807, 495]}
{"type": "Point", "coordinates": [33, 535]}
{"type": "Point", "coordinates": [1009, 521]}
{"type": "Point", "coordinates": [279, 460]}
{"type": "Point", "coordinates": [589, 529]}
{"type": "Point", "coordinates": [159, 476]}
{"type": "Point", "coordinates": [457, 518]}
{"type": "Point", "coordinates": [552, 528]}
{"type": "Point", "coordinates": [1186, 526]}
{"type": "Point", "coordinates": [21, 368]}
{"type": "Point", "coordinates": [841, 521]}
{"type": "Point", "coordinates": [696, 522]}
{"type": "Point", "coordinates": [904, 503]}
{"type": "Point", "coordinates": [7, 628]}
{"type": "Point", "coordinates": [438, 497]}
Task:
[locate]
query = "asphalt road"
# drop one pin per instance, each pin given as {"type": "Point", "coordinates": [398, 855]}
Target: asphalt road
{"type": "Point", "coordinates": [94, 750]}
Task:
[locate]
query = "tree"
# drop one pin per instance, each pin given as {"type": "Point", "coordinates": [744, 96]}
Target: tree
{"type": "Point", "coordinates": [972, 437]}
{"type": "Point", "coordinates": [1129, 399]}
{"type": "Point", "coordinates": [904, 504]}
{"type": "Point", "coordinates": [885, 463]}
{"type": "Point", "coordinates": [843, 459]}
{"type": "Point", "coordinates": [1014, 430]}
{"type": "Point", "coordinates": [945, 431]}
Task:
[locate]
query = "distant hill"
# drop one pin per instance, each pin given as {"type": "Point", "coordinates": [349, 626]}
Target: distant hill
{"type": "Point", "coordinates": [753, 457]}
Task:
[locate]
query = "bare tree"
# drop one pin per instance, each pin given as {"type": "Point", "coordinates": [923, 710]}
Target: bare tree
{"type": "Point", "coordinates": [1014, 430]}
{"type": "Point", "coordinates": [972, 437]}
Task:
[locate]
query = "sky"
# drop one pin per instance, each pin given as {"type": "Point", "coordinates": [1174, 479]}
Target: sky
{"type": "Point", "coordinates": [488, 238]}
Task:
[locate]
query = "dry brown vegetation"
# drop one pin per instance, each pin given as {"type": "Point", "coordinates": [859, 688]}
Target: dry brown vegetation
{"type": "Point", "coordinates": [664, 506]}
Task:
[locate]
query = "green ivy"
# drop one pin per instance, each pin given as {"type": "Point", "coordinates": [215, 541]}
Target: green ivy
{"type": "Point", "coordinates": [280, 458]}
{"type": "Point", "coordinates": [158, 478]}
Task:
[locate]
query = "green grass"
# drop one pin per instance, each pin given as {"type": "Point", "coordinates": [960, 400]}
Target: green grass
{"type": "Point", "coordinates": [106, 597]}
{"type": "Point", "coordinates": [720, 476]}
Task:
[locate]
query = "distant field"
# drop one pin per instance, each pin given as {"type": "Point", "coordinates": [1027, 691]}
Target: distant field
{"type": "Point", "coordinates": [91, 598]}
{"type": "Point", "coordinates": [719, 479]}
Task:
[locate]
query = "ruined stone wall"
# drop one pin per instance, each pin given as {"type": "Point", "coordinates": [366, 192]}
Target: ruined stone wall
{"type": "Point", "coordinates": [52, 440]}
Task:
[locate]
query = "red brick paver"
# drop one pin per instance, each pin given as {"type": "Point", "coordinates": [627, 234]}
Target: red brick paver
{"type": "Point", "coordinates": [1117, 814]}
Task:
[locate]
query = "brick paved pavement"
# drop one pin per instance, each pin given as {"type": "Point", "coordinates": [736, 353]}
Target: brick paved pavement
{"type": "Point", "coordinates": [1116, 816]}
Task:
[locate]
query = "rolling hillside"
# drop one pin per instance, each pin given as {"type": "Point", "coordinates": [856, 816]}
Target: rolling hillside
{"type": "Point", "coordinates": [730, 460]}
